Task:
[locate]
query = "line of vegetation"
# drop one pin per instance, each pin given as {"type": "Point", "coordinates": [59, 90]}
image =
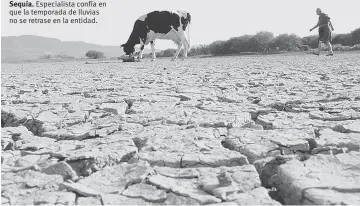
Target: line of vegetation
{"type": "Point", "coordinates": [61, 56]}
{"type": "Point", "coordinates": [266, 42]}
{"type": "Point", "coordinates": [261, 42]}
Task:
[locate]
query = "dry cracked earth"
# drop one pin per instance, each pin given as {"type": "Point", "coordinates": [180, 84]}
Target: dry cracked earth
{"type": "Point", "coordinates": [271, 129]}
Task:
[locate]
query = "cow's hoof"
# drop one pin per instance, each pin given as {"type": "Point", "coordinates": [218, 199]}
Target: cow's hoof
{"type": "Point", "coordinates": [173, 59]}
{"type": "Point", "coordinates": [153, 60]}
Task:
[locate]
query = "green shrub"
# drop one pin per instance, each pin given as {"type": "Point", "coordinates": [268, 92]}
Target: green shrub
{"type": "Point", "coordinates": [304, 48]}
{"type": "Point", "coordinates": [92, 54]}
{"type": "Point", "coordinates": [339, 47]}
{"type": "Point", "coordinates": [166, 53]}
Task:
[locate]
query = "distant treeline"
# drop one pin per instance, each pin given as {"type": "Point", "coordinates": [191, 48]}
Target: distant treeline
{"type": "Point", "coordinates": [266, 42]}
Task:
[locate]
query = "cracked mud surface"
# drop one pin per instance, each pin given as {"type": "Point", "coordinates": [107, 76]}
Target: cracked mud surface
{"type": "Point", "coordinates": [277, 129]}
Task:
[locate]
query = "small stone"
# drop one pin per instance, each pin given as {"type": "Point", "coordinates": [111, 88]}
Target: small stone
{"type": "Point", "coordinates": [31, 160]}
{"type": "Point", "coordinates": [258, 196]}
{"type": "Point", "coordinates": [224, 179]}
{"type": "Point", "coordinates": [115, 108]}
{"type": "Point", "coordinates": [184, 187]}
{"type": "Point", "coordinates": [115, 199]}
{"type": "Point", "coordinates": [209, 181]}
{"type": "Point", "coordinates": [349, 128]}
{"type": "Point", "coordinates": [45, 91]}
{"type": "Point", "coordinates": [63, 169]}
{"type": "Point", "coordinates": [115, 179]}
{"type": "Point", "coordinates": [147, 192]}
{"type": "Point", "coordinates": [80, 189]}
{"type": "Point", "coordinates": [88, 201]}
{"type": "Point", "coordinates": [174, 199]}
{"type": "Point", "coordinates": [55, 198]}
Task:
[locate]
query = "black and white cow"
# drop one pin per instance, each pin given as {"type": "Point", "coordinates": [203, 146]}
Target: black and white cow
{"type": "Point", "coordinates": [160, 25]}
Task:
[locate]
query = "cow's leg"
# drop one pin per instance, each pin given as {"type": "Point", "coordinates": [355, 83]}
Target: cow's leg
{"type": "Point", "coordinates": [177, 52]}
{"type": "Point", "coordinates": [141, 51]}
{"type": "Point", "coordinates": [142, 46]}
{"type": "Point", "coordinates": [153, 50]}
{"type": "Point", "coordinates": [184, 42]}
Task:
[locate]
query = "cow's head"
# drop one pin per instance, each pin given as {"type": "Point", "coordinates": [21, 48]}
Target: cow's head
{"type": "Point", "coordinates": [128, 49]}
{"type": "Point", "coordinates": [185, 20]}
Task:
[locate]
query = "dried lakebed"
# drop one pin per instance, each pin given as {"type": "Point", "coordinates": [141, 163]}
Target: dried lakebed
{"type": "Point", "coordinates": [277, 129]}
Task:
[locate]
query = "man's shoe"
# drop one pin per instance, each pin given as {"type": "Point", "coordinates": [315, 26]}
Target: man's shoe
{"type": "Point", "coordinates": [330, 54]}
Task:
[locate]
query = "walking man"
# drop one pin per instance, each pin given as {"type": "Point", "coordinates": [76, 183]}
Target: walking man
{"type": "Point", "coordinates": [324, 25]}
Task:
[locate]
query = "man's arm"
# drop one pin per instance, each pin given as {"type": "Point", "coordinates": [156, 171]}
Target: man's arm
{"type": "Point", "coordinates": [315, 26]}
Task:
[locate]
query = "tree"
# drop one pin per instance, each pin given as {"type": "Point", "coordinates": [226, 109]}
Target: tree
{"type": "Point", "coordinates": [264, 36]}
{"type": "Point", "coordinates": [239, 44]}
{"type": "Point", "coordinates": [343, 39]}
{"type": "Point", "coordinates": [199, 50]}
{"type": "Point", "coordinates": [217, 48]}
{"type": "Point", "coordinates": [265, 41]}
{"type": "Point", "coordinates": [355, 36]}
{"type": "Point", "coordinates": [92, 54]}
{"type": "Point", "coordinates": [311, 41]}
{"type": "Point", "coordinates": [286, 41]}
{"type": "Point", "coordinates": [261, 41]}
